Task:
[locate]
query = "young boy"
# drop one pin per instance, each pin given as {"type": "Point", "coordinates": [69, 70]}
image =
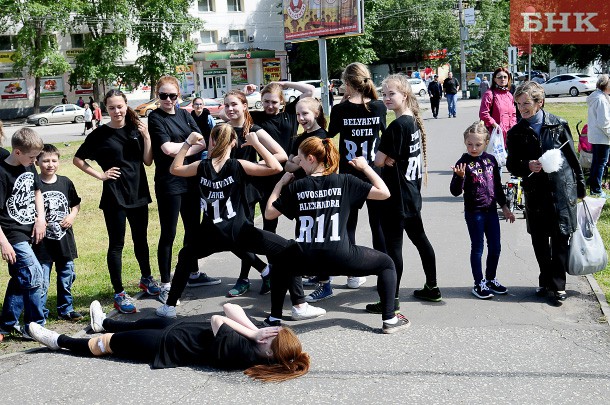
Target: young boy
{"type": "Point", "coordinates": [22, 222]}
{"type": "Point", "coordinates": [61, 204]}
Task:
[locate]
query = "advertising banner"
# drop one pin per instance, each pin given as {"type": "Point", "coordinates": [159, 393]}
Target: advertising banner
{"type": "Point", "coordinates": [13, 88]}
{"type": "Point", "coordinates": [310, 19]}
{"type": "Point", "coordinates": [239, 75]}
{"type": "Point", "coordinates": [559, 22]}
{"type": "Point", "coordinates": [84, 88]}
{"type": "Point", "coordinates": [272, 70]}
{"type": "Point", "coordinates": [51, 87]}
{"type": "Point", "coordinates": [187, 82]}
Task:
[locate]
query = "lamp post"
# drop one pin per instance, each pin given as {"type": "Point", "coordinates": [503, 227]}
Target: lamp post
{"type": "Point", "coordinates": [462, 55]}
{"type": "Point", "coordinates": [530, 10]}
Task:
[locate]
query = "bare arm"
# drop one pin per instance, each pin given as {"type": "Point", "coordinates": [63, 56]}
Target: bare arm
{"type": "Point", "coordinates": [262, 335]}
{"type": "Point", "coordinates": [69, 219]}
{"type": "Point", "coordinates": [271, 145]}
{"type": "Point", "coordinates": [270, 211]}
{"type": "Point", "coordinates": [305, 88]}
{"type": "Point", "coordinates": [178, 168]}
{"type": "Point", "coordinates": [172, 148]}
{"type": "Point", "coordinates": [271, 164]}
{"type": "Point", "coordinates": [112, 173]}
{"type": "Point", "coordinates": [8, 253]}
{"type": "Point", "coordinates": [236, 313]}
{"type": "Point", "coordinates": [379, 191]}
{"type": "Point", "coordinates": [40, 225]}
{"type": "Point", "coordinates": [147, 156]}
{"type": "Point", "coordinates": [292, 164]}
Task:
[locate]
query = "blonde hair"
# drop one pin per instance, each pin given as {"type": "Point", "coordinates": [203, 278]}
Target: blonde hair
{"type": "Point", "coordinates": [223, 135]}
{"type": "Point", "coordinates": [290, 359]}
{"type": "Point", "coordinates": [404, 87]}
{"type": "Point", "coordinates": [274, 88]}
{"type": "Point", "coordinates": [602, 82]}
{"type": "Point", "coordinates": [26, 140]}
{"type": "Point", "coordinates": [477, 128]}
{"type": "Point", "coordinates": [167, 80]}
{"type": "Point", "coordinates": [324, 150]}
{"type": "Point", "coordinates": [314, 105]}
{"type": "Point", "coordinates": [532, 89]}
{"type": "Point", "coordinates": [357, 76]}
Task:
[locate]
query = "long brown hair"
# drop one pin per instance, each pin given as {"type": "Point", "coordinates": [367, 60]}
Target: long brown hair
{"type": "Point", "coordinates": [324, 150]}
{"type": "Point", "coordinates": [403, 86]}
{"type": "Point", "coordinates": [132, 118]}
{"type": "Point", "coordinates": [248, 121]}
{"type": "Point", "coordinates": [290, 359]}
{"type": "Point", "coordinates": [499, 70]}
{"type": "Point", "coordinates": [223, 135]}
{"type": "Point", "coordinates": [357, 76]}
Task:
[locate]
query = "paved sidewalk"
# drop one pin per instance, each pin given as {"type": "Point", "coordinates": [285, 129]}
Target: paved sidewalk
{"type": "Point", "coordinates": [511, 349]}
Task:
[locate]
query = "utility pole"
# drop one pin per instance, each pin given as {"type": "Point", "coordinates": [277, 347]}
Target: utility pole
{"type": "Point", "coordinates": [463, 35]}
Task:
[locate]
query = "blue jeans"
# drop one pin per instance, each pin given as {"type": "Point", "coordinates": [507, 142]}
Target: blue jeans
{"type": "Point", "coordinates": [600, 159]}
{"type": "Point", "coordinates": [483, 224]}
{"type": "Point", "coordinates": [65, 278]}
{"type": "Point", "coordinates": [451, 100]}
{"type": "Point", "coordinates": [24, 289]}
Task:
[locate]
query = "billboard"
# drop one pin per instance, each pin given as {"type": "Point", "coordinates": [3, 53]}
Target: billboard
{"type": "Point", "coordinates": [51, 87]}
{"type": "Point", "coordinates": [559, 22]}
{"type": "Point", "coordinates": [13, 88]}
{"type": "Point", "coordinates": [311, 19]}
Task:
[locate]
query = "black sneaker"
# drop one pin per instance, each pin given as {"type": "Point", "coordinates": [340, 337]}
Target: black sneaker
{"type": "Point", "coordinates": [559, 297]}
{"type": "Point", "coordinates": [482, 291]}
{"type": "Point", "coordinates": [429, 294]}
{"type": "Point", "coordinates": [403, 323]}
{"type": "Point", "coordinates": [201, 280]}
{"type": "Point", "coordinates": [495, 287]}
{"type": "Point", "coordinates": [269, 323]}
{"type": "Point", "coordinates": [542, 292]}
{"type": "Point", "coordinates": [377, 308]}
{"type": "Point", "coordinates": [266, 286]}
{"type": "Point", "coordinates": [71, 316]}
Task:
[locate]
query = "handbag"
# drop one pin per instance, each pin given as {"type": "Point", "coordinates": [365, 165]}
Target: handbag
{"type": "Point", "coordinates": [587, 252]}
{"type": "Point", "coordinates": [496, 146]}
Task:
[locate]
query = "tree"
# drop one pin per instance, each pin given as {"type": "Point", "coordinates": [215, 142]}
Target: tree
{"type": "Point", "coordinates": [489, 37]}
{"type": "Point", "coordinates": [37, 23]}
{"type": "Point", "coordinates": [581, 56]}
{"type": "Point", "coordinates": [162, 29]}
{"type": "Point", "coordinates": [108, 23]}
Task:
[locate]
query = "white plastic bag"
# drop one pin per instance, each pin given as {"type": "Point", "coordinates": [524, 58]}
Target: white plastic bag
{"type": "Point", "coordinates": [496, 146]}
{"type": "Point", "coordinates": [587, 252]}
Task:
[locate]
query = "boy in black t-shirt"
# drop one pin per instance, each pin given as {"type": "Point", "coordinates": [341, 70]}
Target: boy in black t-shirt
{"type": "Point", "coordinates": [61, 205]}
{"type": "Point", "coordinates": [21, 223]}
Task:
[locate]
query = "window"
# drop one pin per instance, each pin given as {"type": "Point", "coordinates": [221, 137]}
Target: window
{"type": "Point", "coordinates": [205, 6]}
{"type": "Point", "coordinates": [70, 108]}
{"type": "Point", "coordinates": [58, 110]}
{"type": "Point", "coordinates": [78, 41]}
{"type": "Point", "coordinates": [234, 5]}
{"type": "Point", "coordinates": [208, 37]}
{"type": "Point", "coordinates": [6, 44]}
{"type": "Point", "coordinates": [237, 35]}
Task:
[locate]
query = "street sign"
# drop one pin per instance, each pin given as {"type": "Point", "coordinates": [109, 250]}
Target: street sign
{"type": "Point", "coordinates": [469, 16]}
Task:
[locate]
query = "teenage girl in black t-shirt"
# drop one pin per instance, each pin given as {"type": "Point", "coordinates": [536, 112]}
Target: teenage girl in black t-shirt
{"type": "Point", "coordinates": [232, 341]}
{"type": "Point", "coordinates": [311, 117]}
{"type": "Point", "coordinates": [321, 204]}
{"type": "Point", "coordinates": [400, 153]}
{"type": "Point", "coordinates": [120, 148]}
{"type": "Point", "coordinates": [238, 115]}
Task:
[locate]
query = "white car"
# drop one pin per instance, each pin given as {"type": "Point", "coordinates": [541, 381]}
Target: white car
{"type": "Point", "coordinates": [254, 100]}
{"type": "Point", "coordinates": [569, 83]}
{"type": "Point", "coordinates": [418, 86]}
{"type": "Point", "coordinates": [291, 94]}
{"type": "Point", "coordinates": [58, 113]}
{"type": "Point", "coordinates": [480, 75]}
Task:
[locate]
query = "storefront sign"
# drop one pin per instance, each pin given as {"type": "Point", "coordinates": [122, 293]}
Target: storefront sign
{"type": "Point", "coordinates": [559, 22]}
{"type": "Point", "coordinates": [272, 70]}
{"type": "Point", "coordinates": [214, 72]}
{"type": "Point", "coordinates": [51, 86]}
{"type": "Point", "coordinates": [310, 19]}
{"type": "Point", "coordinates": [209, 56]}
{"type": "Point", "coordinates": [5, 56]}
{"type": "Point", "coordinates": [71, 53]}
{"type": "Point", "coordinates": [239, 75]}
{"type": "Point", "coordinates": [13, 88]}
{"type": "Point", "coordinates": [84, 88]}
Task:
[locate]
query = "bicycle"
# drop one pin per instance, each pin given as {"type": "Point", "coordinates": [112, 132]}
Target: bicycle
{"type": "Point", "coordinates": [515, 197]}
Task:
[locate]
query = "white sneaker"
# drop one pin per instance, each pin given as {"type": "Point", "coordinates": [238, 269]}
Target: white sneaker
{"type": "Point", "coordinates": [355, 282]}
{"type": "Point", "coordinates": [165, 311]}
{"type": "Point", "coordinates": [309, 312]}
{"type": "Point", "coordinates": [97, 316]}
{"type": "Point", "coordinates": [43, 335]}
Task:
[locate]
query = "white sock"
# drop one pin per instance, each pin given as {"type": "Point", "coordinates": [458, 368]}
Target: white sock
{"type": "Point", "coordinates": [265, 271]}
{"type": "Point", "coordinates": [166, 286]}
{"type": "Point", "coordinates": [194, 275]}
{"type": "Point", "coordinates": [391, 321]}
{"type": "Point", "coordinates": [273, 319]}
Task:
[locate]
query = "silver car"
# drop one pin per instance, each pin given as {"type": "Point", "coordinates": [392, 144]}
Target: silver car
{"type": "Point", "coordinates": [58, 113]}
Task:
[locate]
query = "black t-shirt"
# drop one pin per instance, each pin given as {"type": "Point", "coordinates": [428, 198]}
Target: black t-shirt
{"type": "Point", "coordinates": [450, 86]}
{"type": "Point", "coordinates": [282, 126]}
{"type": "Point", "coordinates": [17, 206]}
{"type": "Point", "coordinates": [224, 196]}
{"type": "Point", "coordinates": [122, 148]}
{"type": "Point", "coordinates": [320, 133]}
{"type": "Point", "coordinates": [164, 127]}
{"type": "Point", "coordinates": [402, 142]}
{"type": "Point", "coordinates": [248, 152]}
{"type": "Point", "coordinates": [359, 130]}
{"type": "Point", "coordinates": [4, 153]}
{"type": "Point", "coordinates": [193, 343]}
{"type": "Point", "coordinates": [321, 205]}
{"type": "Point", "coordinates": [58, 243]}
{"type": "Point", "coordinates": [203, 124]}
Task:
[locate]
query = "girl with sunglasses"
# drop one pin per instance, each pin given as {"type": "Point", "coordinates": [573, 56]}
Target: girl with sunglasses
{"type": "Point", "coordinates": [169, 128]}
{"type": "Point", "coordinates": [497, 104]}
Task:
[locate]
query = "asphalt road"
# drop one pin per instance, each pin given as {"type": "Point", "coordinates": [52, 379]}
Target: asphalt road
{"type": "Point", "coordinates": [512, 349]}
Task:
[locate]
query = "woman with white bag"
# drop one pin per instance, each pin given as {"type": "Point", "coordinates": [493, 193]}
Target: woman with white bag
{"type": "Point", "coordinates": [497, 105]}
{"type": "Point", "coordinates": [551, 195]}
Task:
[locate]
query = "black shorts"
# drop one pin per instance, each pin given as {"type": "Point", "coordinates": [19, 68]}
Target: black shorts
{"type": "Point", "coordinates": [88, 124]}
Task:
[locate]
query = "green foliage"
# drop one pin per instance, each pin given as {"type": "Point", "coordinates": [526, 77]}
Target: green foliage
{"type": "Point", "coordinates": [580, 56]}
{"type": "Point", "coordinates": [489, 37]}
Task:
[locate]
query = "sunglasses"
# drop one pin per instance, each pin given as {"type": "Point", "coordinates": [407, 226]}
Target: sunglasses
{"type": "Point", "coordinates": [197, 104]}
{"type": "Point", "coordinates": [501, 77]}
{"type": "Point", "coordinates": [164, 96]}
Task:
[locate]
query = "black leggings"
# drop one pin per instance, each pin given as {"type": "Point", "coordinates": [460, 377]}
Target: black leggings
{"type": "Point", "coordinates": [250, 239]}
{"type": "Point", "coordinates": [137, 340]}
{"type": "Point", "coordinates": [188, 206]}
{"type": "Point", "coordinates": [374, 209]}
{"type": "Point", "coordinates": [116, 218]}
{"type": "Point", "coordinates": [393, 232]}
{"type": "Point", "coordinates": [358, 261]}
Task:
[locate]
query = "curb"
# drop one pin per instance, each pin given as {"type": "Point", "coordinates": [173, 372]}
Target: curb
{"type": "Point", "coordinates": [601, 298]}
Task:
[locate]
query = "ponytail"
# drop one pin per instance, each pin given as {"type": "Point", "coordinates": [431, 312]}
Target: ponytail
{"type": "Point", "coordinates": [223, 135]}
{"type": "Point", "coordinates": [325, 152]}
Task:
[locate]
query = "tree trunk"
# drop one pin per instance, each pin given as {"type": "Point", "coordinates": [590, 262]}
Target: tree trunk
{"type": "Point", "coordinates": [37, 95]}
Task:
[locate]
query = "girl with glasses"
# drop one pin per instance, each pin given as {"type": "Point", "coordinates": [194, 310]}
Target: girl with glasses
{"type": "Point", "coordinates": [203, 118]}
{"type": "Point", "coordinates": [497, 104]}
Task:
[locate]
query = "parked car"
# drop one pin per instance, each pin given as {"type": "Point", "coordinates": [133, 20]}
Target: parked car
{"type": "Point", "coordinates": [254, 100]}
{"type": "Point", "coordinates": [144, 109]}
{"type": "Point", "coordinates": [214, 106]}
{"type": "Point", "coordinates": [291, 94]}
{"type": "Point", "coordinates": [480, 76]}
{"type": "Point", "coordinates": [418, 86]}
{"type": "Point", "coordinates": [338, 88]}
{"type": "Point", "coordinates": [569, 83]}
{"type": "Point", "coordinates": [58, 113]}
